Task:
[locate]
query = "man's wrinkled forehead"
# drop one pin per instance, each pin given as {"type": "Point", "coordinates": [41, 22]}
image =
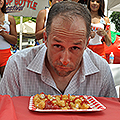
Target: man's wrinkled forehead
{"type": "Point", "coordinates": [62, 20]}
{"type": "Point", "coordinates": [69, 26]}
{"type": "Point", "coordinates": [67, 21]}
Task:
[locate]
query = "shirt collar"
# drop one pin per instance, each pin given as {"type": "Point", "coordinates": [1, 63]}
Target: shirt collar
{"type": "Point", "coordinates": [36, 65]}
{"type": "Point", "coordinates": [88, 64]}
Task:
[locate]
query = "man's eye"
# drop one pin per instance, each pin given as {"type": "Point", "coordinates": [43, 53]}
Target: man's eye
{"type": "Point", "coordinates": [58, 46]}
{"type": "Point", "coordinates": [75, 48]}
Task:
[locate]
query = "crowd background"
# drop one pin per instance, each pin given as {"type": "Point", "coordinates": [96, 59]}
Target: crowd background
{"type": "Point", "coordinates": [113, 18]}
{"type": "Point", "coordinates": [114, 34]}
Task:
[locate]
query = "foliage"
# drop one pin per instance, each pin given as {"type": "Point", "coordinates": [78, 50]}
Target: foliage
{"type": "Point", "coordinates": [115, 18]}
{"type": "Point", "coordinates": [25, 19]}
{"type": "Point", "coordinates": [33, 19]}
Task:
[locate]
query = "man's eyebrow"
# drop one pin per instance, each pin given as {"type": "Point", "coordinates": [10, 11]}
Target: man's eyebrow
{"type": "Point", "coordinates": [78, 43]}
{"type": "Point", "coordinates": [57, 40]}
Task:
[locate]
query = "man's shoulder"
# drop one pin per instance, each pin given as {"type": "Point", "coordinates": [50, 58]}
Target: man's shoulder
{"type": "Point", "coordinates": [95, 58]}
{"type": "Point", "coordinates": [28, 53]}
{"type": "Point", "coordinates": [94, 63]}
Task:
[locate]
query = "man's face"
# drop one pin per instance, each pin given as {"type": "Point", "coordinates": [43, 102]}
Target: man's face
{"type": "Point", "coordinates": [66, 44]}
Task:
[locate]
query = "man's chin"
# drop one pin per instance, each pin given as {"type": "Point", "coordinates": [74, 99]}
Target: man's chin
{"type": "Point", "coordinates": [62, 74]}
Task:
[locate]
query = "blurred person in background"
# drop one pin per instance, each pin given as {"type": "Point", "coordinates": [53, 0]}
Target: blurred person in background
{"type": "Point", "coordinates": [42, 19]}
{"type": "Point", "coordinates": [8, 35]}
{"type": "Point", "coordinates": [100, 27]}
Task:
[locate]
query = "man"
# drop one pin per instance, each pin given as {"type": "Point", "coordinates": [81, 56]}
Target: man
{"type": "Point", "coordinates": [64, 64]}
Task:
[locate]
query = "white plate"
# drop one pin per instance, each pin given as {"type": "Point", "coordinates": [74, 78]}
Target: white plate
{"type": "Point", "coordinates": [94, 105]}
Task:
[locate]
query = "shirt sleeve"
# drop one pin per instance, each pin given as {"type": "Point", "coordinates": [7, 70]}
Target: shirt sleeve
{"type": "Point", "coordinates": [108, 86]}
{"type": "Point", "coordinates": [9, 83]}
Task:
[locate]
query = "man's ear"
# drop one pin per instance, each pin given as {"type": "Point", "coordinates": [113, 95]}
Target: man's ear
{"type": "Point", "coordinates": [87, 42]}
{"type": "Point", "coordinates": [45, 38]}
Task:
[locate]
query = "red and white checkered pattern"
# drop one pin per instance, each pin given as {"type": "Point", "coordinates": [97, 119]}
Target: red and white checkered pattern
{"type": "Point", "coordinates": [94, 105]}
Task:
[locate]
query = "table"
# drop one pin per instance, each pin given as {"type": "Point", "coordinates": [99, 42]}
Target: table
{"type": "Point", "coordinates": [16, 108]}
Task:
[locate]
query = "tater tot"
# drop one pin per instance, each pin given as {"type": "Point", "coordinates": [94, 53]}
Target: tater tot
{"type": "Point", "coordinates": [64, 102]}
{"type": "Point", "coordinates": [85, 106]}
{"type": "Point", "coordinates": [61, 103]}
{"type": "Point", "coordinates": [78, 101]}
{"type": "Point", "coordinates": [72, 98]}
{"type": "Point", "coordinates": [64, 97]}
{"type": "Point", "coordinates": [41, 104]}
{"type": "Point", "coordinates": [42, 96]}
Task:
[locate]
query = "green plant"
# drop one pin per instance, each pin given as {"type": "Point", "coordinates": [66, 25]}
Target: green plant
{"type": "Point", "coordinates": [33, 19]}
{"type": "Point", "coordinates": [25, 19]}
{"type": "Point", "coordinates": [115, 18]}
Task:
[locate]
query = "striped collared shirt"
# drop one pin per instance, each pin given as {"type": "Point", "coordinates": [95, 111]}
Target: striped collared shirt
{"type": "Point", "coordinates": [26, 75]}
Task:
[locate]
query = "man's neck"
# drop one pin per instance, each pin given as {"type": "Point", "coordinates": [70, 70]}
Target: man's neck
{"type": "Point", "coordinates": [61, 82]}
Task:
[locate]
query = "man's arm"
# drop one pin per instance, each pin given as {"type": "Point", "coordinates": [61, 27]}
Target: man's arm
{"type": "Point", "coordinates": [9, 83]}
{"type": "Point", "coordinates": [108, 86]}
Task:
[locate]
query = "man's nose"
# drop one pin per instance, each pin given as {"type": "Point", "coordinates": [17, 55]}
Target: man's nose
{"type": "Point", "coordinates": [65, 59]}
